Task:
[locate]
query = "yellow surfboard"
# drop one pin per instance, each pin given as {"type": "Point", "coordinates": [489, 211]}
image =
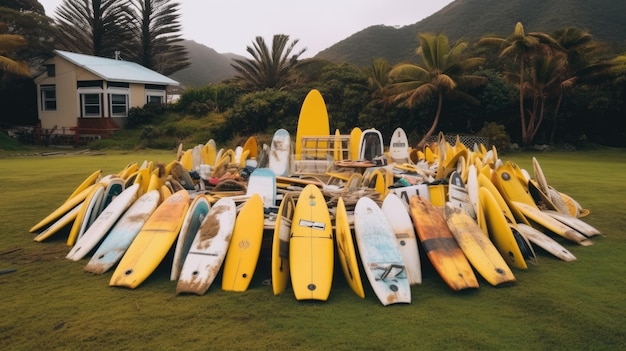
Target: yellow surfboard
{"type": "Point", "coordinates": [355, 142]}
{"type": "Point", "coordinates": [313, 120]}
{"type": "Point", "coordinates": [90, 180]}
{"type": "Point", "coordinates": [187, 159]}
{"type": "Point", "coordinates": [479, 250]}
{"type": "Point", "coordinates": [346, 251]}
{"type": "Point", "coordinates": [280, 245]}
{"type": "Point", "coordinates": [62, 210]}
{"type": "Point", "coordinates": [311, 255]}
{"type": "Point", "coordinates": [245, 246]}
{"type": "Point", "coordinates": [152, 243]}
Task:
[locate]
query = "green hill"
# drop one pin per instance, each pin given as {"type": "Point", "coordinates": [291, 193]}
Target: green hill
{"type": "Point", "coordinates": [207, 66]}
{"type": "Point", "coordinates": [471, 19]}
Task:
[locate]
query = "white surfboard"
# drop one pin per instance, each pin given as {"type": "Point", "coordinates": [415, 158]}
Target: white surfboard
{"type": "Point", "coordinates": [405, 193]}
{"type": "Point", "coordinates": [103, 223]}
{"type": "Point", "coordinates": [380, 254]}
{"type": "Point", "coordinates": [196, 213]}
{"type": "Point", "coordinates": [400, 220]}
{"type": "Point", "coordinates": [207, 252]}
{"type": "Point", "coordinates": [399, 147]}
{"type": "Point", "coordinates": [545, 242]}
{"type": "Point", "coordinates": [123, 232]}
{"type": "Point", "coordinates": [458, 195]}
{"type": "Point", "coordinates": [280, 153]}
{"type": "Point", "coordinates": [263, 182]}
{"type": "Point", "coordinates": [370, 145]}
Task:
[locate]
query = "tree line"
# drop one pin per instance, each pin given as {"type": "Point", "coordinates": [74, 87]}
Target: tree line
{"type": "Point", "coordinates": [560, 87]}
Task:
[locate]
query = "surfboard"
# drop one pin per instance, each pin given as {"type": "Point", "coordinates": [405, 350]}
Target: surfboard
{"type": "Point", "coordinates": [62, 209]}
{"type": "Point", "coordinates": [355, 140]}
{"type": "Point", "coordinates": [398, 217]}
{"type": "Point", "coordinates": [370, 145]}
{"type": "Point", "coordinates": [152, 243]}
{"type": "Point", "coordinates": [579, 225]}
{"type": "Point", "coordinates": [280, 245]}
{"type": "Point", "coordinates": [346, 251]}
{"type": "Point", "coordinates": [458, 195]}
{"type": "Point", "coordinates": [90, 180]}
{"type": "Point", "coordinates": [195, 215]}
{"type": "Point", "coordinates": [440, 246]}
{"type": "Point", "coordinates": [499, 230]}
{"type": "Point", "coordinates": [103, 223]}
{"type": "Point", "coordinates": [545, 242]}
{"type": "Point", "coordinates": [313, 120]}
{"type": "Point", "coordinates": [114, 187]}
{"type": "Point", "coordinates": [81, 223]}
{"type": "Point", "coordinates": [262, 181]}
{"type": "Point", "coordinates": [208, 249]}
{"type": "Point", "coordinates": [123, 233]}
{"type": "Point", "coordinates": [405, 193]}
{"type": "Point", "coordinates": [380, 254]}
{"type": "Point", "coordinates": [479, 250]}
{"type": "Point", "coordinates": [399, 147]}
{"type": "Point", "coordinates": [311, 255]}
{"type": "Point", "coordinates": [59, 224]}
{"type": "Point", "coordinates": [245, 246]}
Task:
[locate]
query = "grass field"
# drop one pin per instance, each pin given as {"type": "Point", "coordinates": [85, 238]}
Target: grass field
{"type": "Point", "coordinates": [48, 302]}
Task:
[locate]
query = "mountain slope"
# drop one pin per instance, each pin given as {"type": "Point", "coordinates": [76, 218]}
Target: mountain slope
{"type": "Point", "coordinates": [207, 66]}
{"type": "Point", "coordinates": [471, 19]}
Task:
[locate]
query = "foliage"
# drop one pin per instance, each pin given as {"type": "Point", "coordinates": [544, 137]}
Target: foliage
{"type": "Point", "coordinates": [496, 134]}
{"type": "Point", "coordinates": [10, 43]}
{"type": "Point", "coordinates": [264, 111]}
{"type": "Point", "coordinates": [211, 98]}
{"type": "Point", "coordinates": [269, 68]}
{"type": "Point", "coordinates": [27, 19]}
{"type": "Point", "coordinates": [157, 32]}
{"type": "Point", "coordinates": [138, 116]}
{"type": "Point", "coordinates": [442, 73]}
{"type": "Point", "coordinates": [95, 27]}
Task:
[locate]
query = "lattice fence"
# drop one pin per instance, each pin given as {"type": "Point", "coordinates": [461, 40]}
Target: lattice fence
{"type": "Point", "coordinates": [467, 140]}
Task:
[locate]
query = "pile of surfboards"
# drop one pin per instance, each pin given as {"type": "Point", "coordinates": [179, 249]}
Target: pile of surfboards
{"type": "Point", "coordinates": [468, 211]}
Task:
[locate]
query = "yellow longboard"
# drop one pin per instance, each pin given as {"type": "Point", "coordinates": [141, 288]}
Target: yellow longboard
{"type": "Point", "coordinates": [311, 255]}
{"type": "Point", "coordinates": [152, 243]}
{"type": "Point", "coordinates": [245, 246]}
{"type": "Point", "coordinates": [280, 245]}
{"type": "Point", "coordinates": [90, 180]}
{"type": "Point", "coordinates": [313, 120]}
{"type": "Point", "coordinates": [355, 143]}
{"type": "Point", "coordinates": [346, 251]}
{"type": "Point", "coordinates": [62, 210]}
{"type": "Point", "coordinates": [499, 230]}
{"type": "Point", "coordinates": [80, 225]}
{"type": "Point", "coordinates": [478, 249]}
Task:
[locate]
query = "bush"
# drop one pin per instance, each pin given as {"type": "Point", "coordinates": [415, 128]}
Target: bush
{"type": "Point", "coordinates": [497, 135]}
{"type": "Point", "coordinates": [138, 116]}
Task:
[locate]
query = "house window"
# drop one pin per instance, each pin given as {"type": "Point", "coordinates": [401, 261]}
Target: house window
{"type": "Point", "coordinates": [91, 105]}
{"type": "Point", "coordinates": [155, 96]}
{"type": "Point", "coordinates": [119, 105]}
{"type": "Point", "coordinates": [48, 98]}
{"type": "Point", "coordinates": [51, 70]}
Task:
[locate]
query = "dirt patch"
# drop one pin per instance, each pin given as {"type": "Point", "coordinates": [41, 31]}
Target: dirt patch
{"type": "Point", "coordinates": [211, 225]}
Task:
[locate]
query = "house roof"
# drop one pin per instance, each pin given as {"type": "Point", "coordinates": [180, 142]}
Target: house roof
{"type": "Point", "coordinates": [116, 70]}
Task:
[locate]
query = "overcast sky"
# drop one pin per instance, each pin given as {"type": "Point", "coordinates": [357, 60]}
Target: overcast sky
{"type": "Point", "coordinates": [231, 25]}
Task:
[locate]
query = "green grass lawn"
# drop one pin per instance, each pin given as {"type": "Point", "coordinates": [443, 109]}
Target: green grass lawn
{"type": "Point", "coordinates": [48, 302]}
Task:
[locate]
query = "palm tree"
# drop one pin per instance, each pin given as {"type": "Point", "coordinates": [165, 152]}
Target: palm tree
{"type": "Point", "coordinates": [582, 65]}
{"type": "Point", "coordinates": [443, 72]}
{"type": "Point", "coordinates": [8, 44]}
{"type": "Point", "coordinates": [157, 31]}
{"type": "Point", "coordinates": [95, 27]}
{"type": "Point", "coordinates": [268, 68]}
{"type": "Point", "coordinates": [522, 47]}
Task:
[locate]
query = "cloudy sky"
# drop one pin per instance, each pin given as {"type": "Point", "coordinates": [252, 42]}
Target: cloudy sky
{"type": "Point", "coordinates": [231, 25]}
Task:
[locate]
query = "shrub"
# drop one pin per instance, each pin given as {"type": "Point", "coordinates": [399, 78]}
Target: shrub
{"type": "Point", "coordinates": [497, 135]}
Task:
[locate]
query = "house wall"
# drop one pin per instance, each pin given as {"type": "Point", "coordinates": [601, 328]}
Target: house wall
{"type": "Point", "coordinates": [67, 105]}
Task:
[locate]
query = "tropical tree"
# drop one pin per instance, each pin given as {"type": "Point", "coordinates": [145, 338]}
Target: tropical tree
{"type": "Point", "coordinates": [444, 71]}
{"type": "Point", "coordinates": [10, 43]}
{"type": "Point", "coordinates": [96, 27]}
{"type": "Point", "coordinates": [582, 65]}
{"type": "Point", "coordinates": [268, 68]}
{"type": "Point", "coordinates": [157, 31]}
{"type": "Point", "coordinates": [522, 47]}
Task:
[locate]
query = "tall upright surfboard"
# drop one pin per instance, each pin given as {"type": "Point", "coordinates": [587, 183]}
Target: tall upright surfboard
{"type": "Point", "coordinates": [346, 251]}
{"type": "Point", "coordinates": [196, 214]}
{"type": "Point", "coordinates": [399, 147]}
{"type": "Point", "coordinates": [280, 244]}
{"type": "Point", "coordinates": [355, 140]}
{"type": "Point", "coordinates": [313, 120]}
{"type": "Point", "coordinates": [280, 152]}
{"type": "Point", "coordinates": [311, 255]}
{"type": "Point", "coordinates": [370, 145]}
{"type": "Point", "coordinates": [380, 253]}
